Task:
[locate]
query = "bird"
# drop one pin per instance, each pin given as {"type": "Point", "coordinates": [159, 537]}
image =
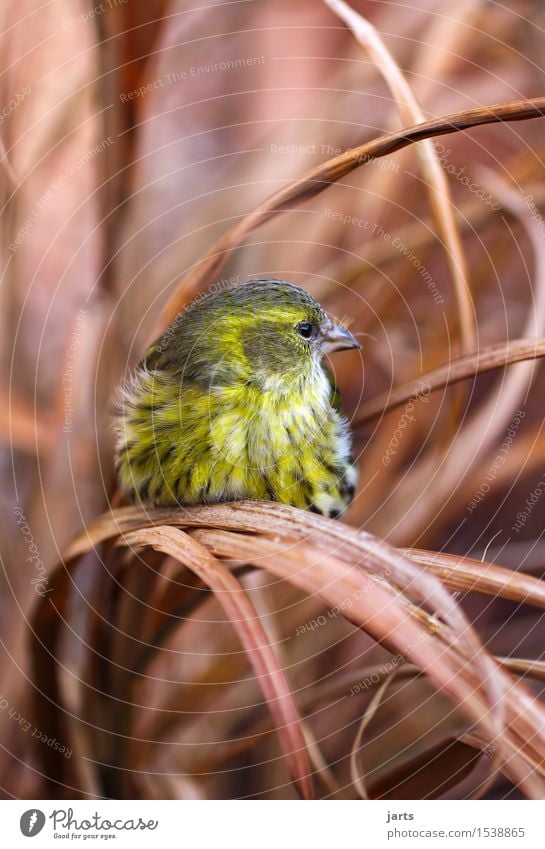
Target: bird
{"type": "Point", "coordinates": [234, 402]}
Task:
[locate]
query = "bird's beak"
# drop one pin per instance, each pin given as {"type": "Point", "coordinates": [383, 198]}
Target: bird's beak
{"type": "Point", "coordinates": [338, 339]}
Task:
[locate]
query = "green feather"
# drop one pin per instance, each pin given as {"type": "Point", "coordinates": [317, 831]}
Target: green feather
{"type": "Point", "coordinates": [232, 402]}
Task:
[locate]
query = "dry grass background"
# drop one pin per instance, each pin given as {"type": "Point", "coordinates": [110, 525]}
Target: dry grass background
{"type": "Point", "coordinates": [253, 650]}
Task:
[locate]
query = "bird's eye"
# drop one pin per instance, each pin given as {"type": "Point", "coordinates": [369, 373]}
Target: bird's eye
{"type": "Point", "coordinates": [304, 329]}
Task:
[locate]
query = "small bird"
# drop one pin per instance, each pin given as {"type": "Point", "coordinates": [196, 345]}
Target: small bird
{"type": "Point", "coordinates": [233, 402]}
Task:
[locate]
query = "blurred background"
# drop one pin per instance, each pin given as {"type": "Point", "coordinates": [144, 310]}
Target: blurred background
{"type": "Point", "coordinates": [132, 135]}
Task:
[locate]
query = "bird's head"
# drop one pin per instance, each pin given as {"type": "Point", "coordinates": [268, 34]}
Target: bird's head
{"type": "Point", "coordinates": [260, 331]}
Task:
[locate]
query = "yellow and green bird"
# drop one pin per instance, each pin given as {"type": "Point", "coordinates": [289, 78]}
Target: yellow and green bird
{"type": "Point", "coordinates": [233, 402]}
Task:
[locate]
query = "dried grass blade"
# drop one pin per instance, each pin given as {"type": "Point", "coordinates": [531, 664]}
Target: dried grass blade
{"type": "Point", "coordinates": [343, 684]}
{"type": "Point", "coordinates": [466, 574]}
{"type": "Point", "coordinates": [379, 608]}
{"type": "Point", "coordinates": [232, 597]}
{"type": "Point", "coordinates": [524, 667]}
{"type": "Point", "coordinates": [61, 774]}
{"type": "Point", "coordinates": [291, 524]}
{"type": "Point", "coordinates": [460, 368]}
{"type": "Point", "coordinates": [386, 612]}
{"type": "Point", "coordinates": [314, 181]}
{"type": "Point", "coordinates": [479, 434]}
{"type": "Point", "coordinates": [386, 618]}
{"type": "Point", "coordinates": [490, 421]}
{"type": "Point", "coordinates": [437, 183]}
{"type": "Point", "coordinates": [355, 768]}
{"type": "Point", "coordinates": [7, 167]}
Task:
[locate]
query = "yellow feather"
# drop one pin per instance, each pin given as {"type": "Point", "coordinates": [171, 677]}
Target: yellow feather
{"type": "Point", "coordinates": [258, 433]}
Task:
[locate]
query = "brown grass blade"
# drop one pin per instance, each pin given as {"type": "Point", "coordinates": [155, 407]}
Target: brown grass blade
{"type": "Point", "coordinates": [485, 426]}
{"type": "Point", "coordinates": [459, 368]}
{"type": "Point", "coordinates": [375, 587]}
{"type": "Point", "coordinates": [331, 579]}
{"type": "Point", "coordinates": [314, 181]}
{"type": "Point", "coordinates": [525, 667]}
{"type": "Point", "coordinates": [511, 393]}
{"type": "Point", "coordinates": [356, 770]}
{"type": "Point", "coordinates": [285, 522]}
{"type": "Point", "coordinates": [235, 602]}
{"type": "Point", "coordinates": [468, 575]}
{"type": "Point", "coordinates": [386, 626]}
{"type": "Point", "coordinates": [415, 235]}
{"type": "Point", "coordinates": [288, 523]}
{"type": "Point", "coordinates": [354, 546]}
{"type": "Point", "coordinates": [61, 774]}
{"type": "Point", "coordinates": [436, 181]}
{"type": "Point", "coordinates": [7, 167]}
{"type": "Point", "coordinates": [336, 691]}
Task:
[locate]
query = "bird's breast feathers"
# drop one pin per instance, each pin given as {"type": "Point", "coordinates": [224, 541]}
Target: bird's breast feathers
{"type": "Point", "coordinates": [265, 441]}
